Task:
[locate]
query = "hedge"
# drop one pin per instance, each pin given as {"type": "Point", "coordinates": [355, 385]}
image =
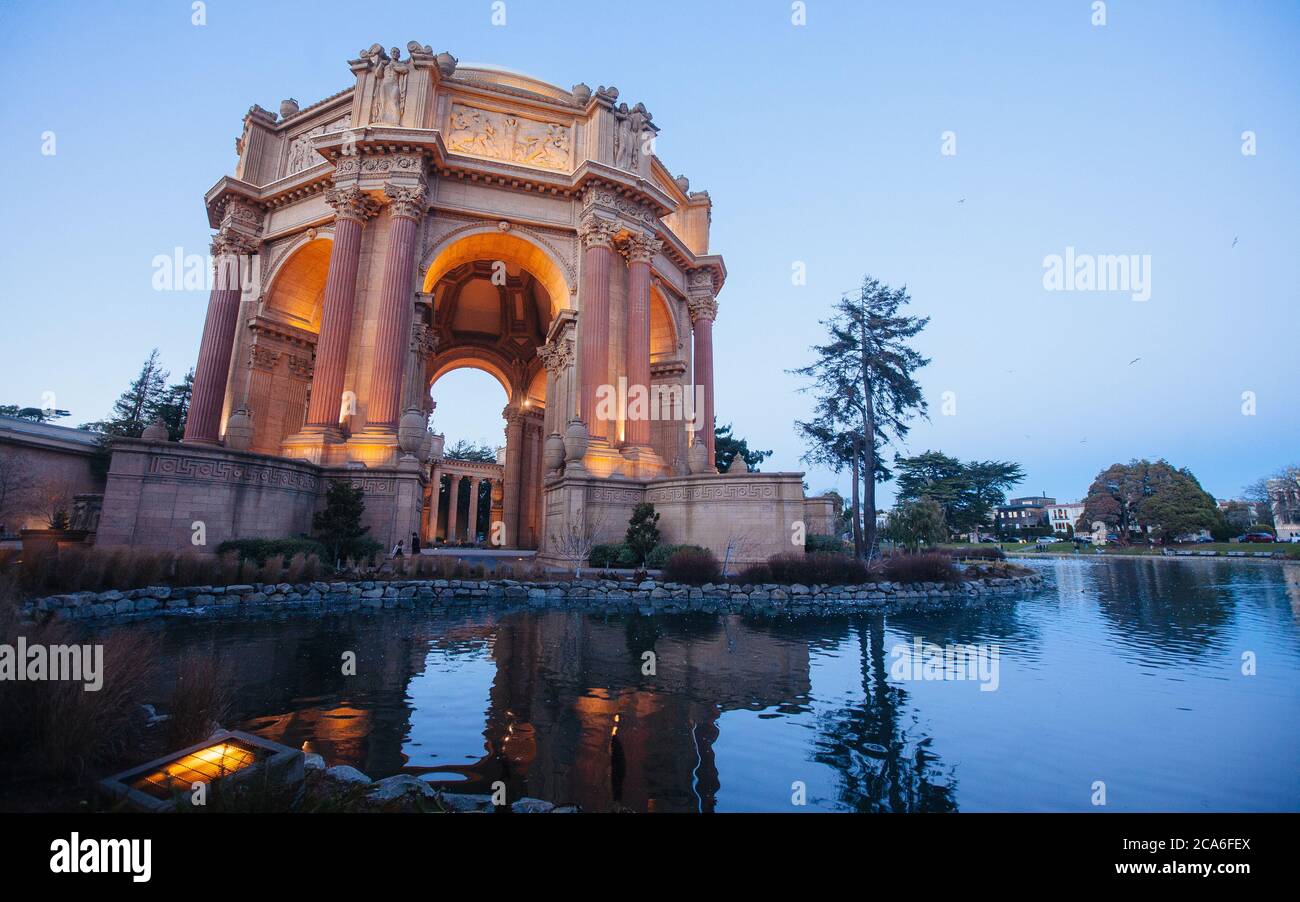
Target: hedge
{"type": "Point", "coordinates": [260, 549]}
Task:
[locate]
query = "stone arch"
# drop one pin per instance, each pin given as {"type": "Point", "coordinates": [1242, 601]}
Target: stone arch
{"type": "Point", "coordinates": [665, 336]}
{"type": "Point", "coordinates": [486, 241]}
{"type": "Point", "coordinates": [469, 357]}
{"type": "Point", "coordinates": [295, 281]}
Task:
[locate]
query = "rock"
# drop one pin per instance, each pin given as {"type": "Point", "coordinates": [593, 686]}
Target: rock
{"type": "Point", "coordinates": [464, 802]}
{"type": "Point", "coordinates": [313, 761]}
{"type": "Point", "coordinates": [341, 773]}
{"type": "Point", "coordinates": [532, 806]}
{"type": "Point", "coordinates": [392, 788]}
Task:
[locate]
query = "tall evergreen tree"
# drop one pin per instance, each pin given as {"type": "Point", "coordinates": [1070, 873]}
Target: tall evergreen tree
{"type": "Point", "coordinates": [174, 406]}
{"type": "Point", "coordinates": [866, 391]}
{"type": "Point", "coordinates": [136, 407]}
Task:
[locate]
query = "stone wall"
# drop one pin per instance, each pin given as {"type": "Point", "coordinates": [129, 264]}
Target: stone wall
{"type": "Point", "coordinates": [157, 491]}
{"type": "Point", "coordinates": [647, 596]}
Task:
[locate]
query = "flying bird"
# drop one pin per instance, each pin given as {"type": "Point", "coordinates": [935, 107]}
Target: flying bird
{"type": "Point", "coordinates": [1134, 360]}
{"type": "Point", "coordinates": [962, 201]}
{"type": "Point", "coordinates": [1234, 240]}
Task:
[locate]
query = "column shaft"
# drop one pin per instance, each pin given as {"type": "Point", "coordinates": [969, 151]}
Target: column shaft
{"type": "Point", "coordinates": [393, 336]}
{"type": "Point", "coordinates": [514, 469]}
{"type": "Point", "coordinates": [637, 429]}
{"type": "Point", "coordinates": [213, 368]}
{"type": "Point", "coordinates": [593, 337]}
{"type": "Point", "coordinates": [453, 503]}
{"type": "Point", "coordinates": [336, 325]}
{"type": "Point", "coordinates": [703, 329]}
{"type": "Point", "coordinates": [471, 526]}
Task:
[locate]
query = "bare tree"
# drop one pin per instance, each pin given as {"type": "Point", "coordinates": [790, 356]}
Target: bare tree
{"type": "Point", "coordinates": [737, 545]}
{"type": "Point", "coordinates": [575, 545]}
{"type": "Point", "coordinates": [54, 502]}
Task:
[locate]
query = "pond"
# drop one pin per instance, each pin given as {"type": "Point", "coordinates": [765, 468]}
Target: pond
{"type": "Point", "coordinates": [1176, 684]}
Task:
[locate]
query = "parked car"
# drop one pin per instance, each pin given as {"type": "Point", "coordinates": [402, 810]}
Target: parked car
{"type": "Point", "coordinates": [1257, 537]}
{"type": "Point", "coordinates": [1203, 540]}
{"type": "Point", "coordinates": [1047, 540]}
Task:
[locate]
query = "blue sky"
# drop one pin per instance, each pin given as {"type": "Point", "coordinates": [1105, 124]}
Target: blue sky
{"type": "Point", "coordinates": [819, 144]}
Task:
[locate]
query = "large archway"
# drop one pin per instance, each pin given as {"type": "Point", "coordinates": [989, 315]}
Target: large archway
{"type": "Point", "coordinates": [493, 313]}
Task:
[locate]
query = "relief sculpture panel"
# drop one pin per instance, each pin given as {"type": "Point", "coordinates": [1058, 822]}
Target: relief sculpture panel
{"type": "Point", "coordinates": [511, 138]}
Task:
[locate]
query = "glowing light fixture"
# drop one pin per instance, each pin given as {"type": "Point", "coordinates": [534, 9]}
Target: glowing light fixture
{"type": "Point", "coordinates": [225, 759]}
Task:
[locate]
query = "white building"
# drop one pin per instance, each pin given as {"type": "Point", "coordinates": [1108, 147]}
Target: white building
{"type": "Point", "coordinates": [1064, 517]}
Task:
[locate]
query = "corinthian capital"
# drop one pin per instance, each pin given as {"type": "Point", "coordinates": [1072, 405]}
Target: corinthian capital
{"type": "Point", "coordinates": [702, 307]}
{"type": "Point", "coordinates": [230, 242]}
{"type": "Point", "coordinates": [597, 231]}
{"type": "Point", "coordinates": [641, 248]}
{"type": "Point", "coordinates": [406, 200]}
{"type": "Point", "coordinates": [351, 203]}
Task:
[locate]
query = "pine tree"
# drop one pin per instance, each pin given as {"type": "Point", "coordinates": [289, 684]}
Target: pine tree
{"type": "Point", "coordinates": [174, 406]}
{"type": "Point", "coordinates": [136, 407]}
{"type": "Point", "coordinates": [338, 525]}
{"type": "Point", "coordinates": [865, 390]}
{"type": "Point", "coordinates": [642, 532]}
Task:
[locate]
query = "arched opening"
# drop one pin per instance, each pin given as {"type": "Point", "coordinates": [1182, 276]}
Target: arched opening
{"type": "Point", "coordinates": [492, 301]}
{"type": "Point", "coordinates": [468, 474]}
{"type": "Point", "coordinates": [282, 338]}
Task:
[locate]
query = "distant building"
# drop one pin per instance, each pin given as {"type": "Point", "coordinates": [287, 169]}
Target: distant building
{"type": "Point", "coordinates": [1284, 497]}
{"type": "Point", "coordinates": [1064, 518]}
{"type": "Point", "coordinates": [1022, 514]}
{"type": "Point", "coordinates": [46, 469]}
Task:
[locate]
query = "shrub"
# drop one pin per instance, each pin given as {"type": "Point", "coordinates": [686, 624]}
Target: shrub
{"type": "Point", "coordinates": [830, 544]}
{"type": "Point", "coordinates": [661, 553]}
{"type": "Point", "coordinates": [928, 567]}
{"type": "Point", "coordinates": [818, 567]}
{"type": "Point", "coordinates": [693, 566]}
{"type": "Point", "coordinates": [339, 523]}
{"type": "Point", "coordinates": [754, 574]}
{"type": "Point", "coordinates": [258, 550]}
{"type": "Point", "coordinates": [611, 555]}
{"type": "Point", "coordinates": [995, 568]}
{"type": "Point", "coordinates": [55, 727]}
{"type": "Point", "coordinates": [642, 533]}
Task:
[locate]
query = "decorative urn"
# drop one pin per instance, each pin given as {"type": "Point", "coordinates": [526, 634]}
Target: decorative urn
{"type": "Point", "coordinates": [155, 431]}
{"type": "Point", "coordinates": [411, 431]}
{"type": "Point", "coordinates": [738, 466]}
{"type": "Point", "coordinates": [554, 452]}
{"type": "Point", "coordinates": [698, 458]}
{"type": "Point", "coordinates": [239, 430]}
{"type": "Point", "coordinates": [576, 440]}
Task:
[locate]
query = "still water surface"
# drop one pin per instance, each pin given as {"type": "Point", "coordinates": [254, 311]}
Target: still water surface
{"type": "Point", "coordinates": [1127, 672]}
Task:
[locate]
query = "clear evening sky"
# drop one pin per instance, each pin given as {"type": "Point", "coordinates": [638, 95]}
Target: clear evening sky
{"type": "Point", "coordinates": [819, 144]}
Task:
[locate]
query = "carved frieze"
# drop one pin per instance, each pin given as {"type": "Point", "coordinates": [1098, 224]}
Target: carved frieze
{"type": "Point", "coordinates": [207, 470]}
{"type": "Point", "coordinates": [301, 155]}
{"type": "Point", "coordinates": [509, 137]}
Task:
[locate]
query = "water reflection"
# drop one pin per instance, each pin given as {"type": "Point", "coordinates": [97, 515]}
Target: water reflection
{"type": "Point", "coordinates": [1111, 660]}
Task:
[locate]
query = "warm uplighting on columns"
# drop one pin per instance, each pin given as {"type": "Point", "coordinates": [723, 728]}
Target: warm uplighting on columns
{"type": "Point", "coordinates": [352, 207]}
{"type": "Point", "coordinates": [396, 300]}
{"type": "Point", "coordinates": [704, 309]}
{"type": "Point", "coordinates": [597, 236]}
{"type": "Point", "coordinates": [212, 371]}
{"type": "Point", "coordinates": [641, 249]}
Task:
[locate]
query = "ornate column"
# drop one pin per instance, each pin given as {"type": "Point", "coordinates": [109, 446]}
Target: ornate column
{"type": "Point", "coordinates": [496, 514]}
{"type": "Point", "coordinates": [396, 300]}
{"type": "Point", "coordinates": [203, 424]}
{"type": "Point", "coordinates": [514, 472]}
{"type": "Point", "coordinates": [641, 249]}
{"type": "Point", "coordinates": [435, 502]}
{"type": "Point", "coordinates": [352, 207]}
{"type": "Point", "coordinates": [530, 479]}
{"type": "Point", "coordinates": [471, 530]}
{"type": "Point", "coordinates": [704, 309]}
{"type": "Point", "coordinates": [597, 234]}
{"type": "Point", "coordinates": [453, 503]}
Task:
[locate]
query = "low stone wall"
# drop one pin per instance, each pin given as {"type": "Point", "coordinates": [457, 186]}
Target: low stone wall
{"type": "Point", "coordinates": [602, 594]}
